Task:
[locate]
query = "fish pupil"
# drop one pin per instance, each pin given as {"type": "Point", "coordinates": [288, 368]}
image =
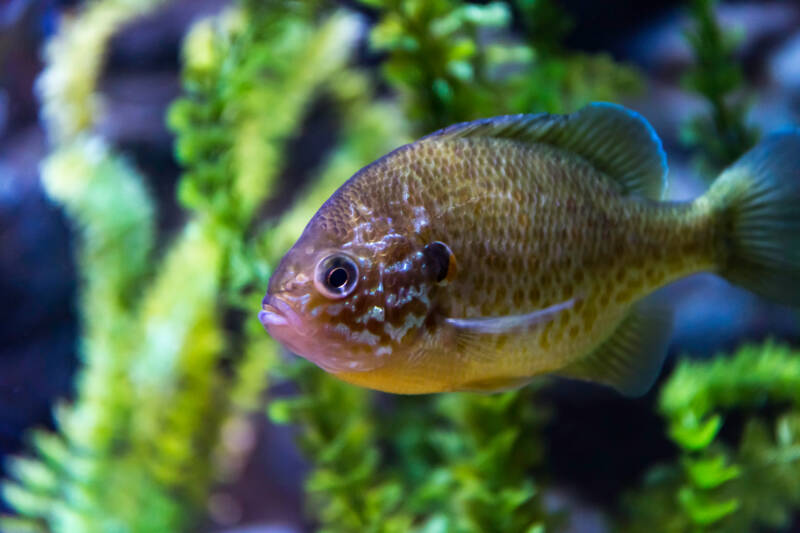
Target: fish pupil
{"type": "Point", "coordinates": [337, 277]}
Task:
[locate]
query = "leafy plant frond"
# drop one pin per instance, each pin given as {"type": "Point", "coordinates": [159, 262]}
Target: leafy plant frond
{"type": "Point", "coordinates": [723, 135]}
{"type": "Point", "coordinates": [714, 486]}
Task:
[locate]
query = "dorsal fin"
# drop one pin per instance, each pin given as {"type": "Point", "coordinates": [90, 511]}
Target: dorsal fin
{"type": "Point", "coordinates": [613, 139]}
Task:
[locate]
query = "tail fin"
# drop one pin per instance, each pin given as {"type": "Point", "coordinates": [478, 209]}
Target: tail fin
{"type": "Point", "coordinates": [758, 200]}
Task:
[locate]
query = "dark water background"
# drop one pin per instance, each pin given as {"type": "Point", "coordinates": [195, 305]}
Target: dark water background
{"type": "Point", "coordinates": [38, 318]}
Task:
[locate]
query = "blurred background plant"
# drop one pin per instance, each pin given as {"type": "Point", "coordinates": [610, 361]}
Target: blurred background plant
{"type": "Point", "coordinates": [720, 136]}
{"type": "Point", "coordinates": [280, 103]}
{"type": "Point", "coordinates": [715, 485]}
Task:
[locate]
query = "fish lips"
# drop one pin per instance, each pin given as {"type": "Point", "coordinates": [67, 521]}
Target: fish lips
{"type": "Point", "coordinates": [277, 313]}
{"type": "Point", "coordinates": [271, 316]}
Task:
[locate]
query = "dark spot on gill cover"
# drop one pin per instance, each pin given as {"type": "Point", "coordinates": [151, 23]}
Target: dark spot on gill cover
{"type": "Point", "coordinates": [437, 259]}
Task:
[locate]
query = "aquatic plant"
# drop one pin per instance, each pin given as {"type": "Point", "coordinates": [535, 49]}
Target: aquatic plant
{"type": "Point", "coordinates": [452, 61]}
{"type": "Point", "coordinates": [718, 485]}
{"type": "Point", "coordinates": [452, 471]}
{"type": "Point", "coordinates": [723, 135]}
{"type": "Point", "coordinates": [163, 379]}
{"type": "Point", "coordinates": [464, 467]}
{"type": "Point", "coordinates": [69, 101]}
{"type": "Point", "coordinates": [491, 451]}
{"type": "Point", "coordinates": [151, 400]}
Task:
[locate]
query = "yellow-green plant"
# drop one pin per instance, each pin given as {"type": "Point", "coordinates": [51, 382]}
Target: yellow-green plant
{"type": "Point", "coordinates": [135, 450]}
{"type": "Point", "coordinates": [716, 486]}
{"type": "Point", "coordinates": [463, 463]}
{"type": "Point", "coordinates": [143, 430]}
{"type": "Point", "coordinates": [451, 61]}
{"type": "Point", "coordinates": [138, 449]}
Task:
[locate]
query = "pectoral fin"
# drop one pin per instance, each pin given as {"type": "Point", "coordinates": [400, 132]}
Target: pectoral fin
{"type": "Point", "coordinates": [631, 358]}
{"type": "Point", "coordinates": [495, 325]}
{"type": "Point", "coordinates": [475, 337]}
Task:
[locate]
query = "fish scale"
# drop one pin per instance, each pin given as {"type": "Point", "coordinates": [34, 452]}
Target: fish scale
{"type": "Point", "coordinates": [494, 251]}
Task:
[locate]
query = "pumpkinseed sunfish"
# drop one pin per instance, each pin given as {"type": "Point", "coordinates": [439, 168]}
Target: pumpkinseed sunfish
{"type": "Point", "coordinates": [493, 251]}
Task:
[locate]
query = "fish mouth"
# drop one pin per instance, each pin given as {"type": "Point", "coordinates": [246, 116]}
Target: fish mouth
{"type": "Point", "coordinates": [271, 316]}
{"type": "Point", "coordinates": [275, 311]}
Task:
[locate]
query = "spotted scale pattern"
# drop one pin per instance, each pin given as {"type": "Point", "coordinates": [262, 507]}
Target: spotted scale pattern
{"type": "Point", "coordinates": [529, 226]}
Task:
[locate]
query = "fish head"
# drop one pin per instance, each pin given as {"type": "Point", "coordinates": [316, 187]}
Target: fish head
{"type": "Point", "coordinates": [349, 301]}
{"type": "Point", "coordinates": [316, 285]}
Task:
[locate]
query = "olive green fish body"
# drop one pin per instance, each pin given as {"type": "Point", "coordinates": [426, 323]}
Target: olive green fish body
{"type": "Point", "coordinates": [529, 227]}
{"type": "Point", "coordinates": [493, 252]}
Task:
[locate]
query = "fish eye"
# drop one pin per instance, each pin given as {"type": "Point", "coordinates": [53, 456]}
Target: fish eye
{"type": "Point", "coordinates": [336, 276]}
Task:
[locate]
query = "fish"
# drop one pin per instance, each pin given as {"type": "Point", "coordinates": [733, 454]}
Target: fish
{"type": "Point", "coordinates": [491, 252]}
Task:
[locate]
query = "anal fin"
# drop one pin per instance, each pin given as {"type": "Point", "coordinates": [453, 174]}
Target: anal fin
{"type": "Point", "coordinates": [631, 358]}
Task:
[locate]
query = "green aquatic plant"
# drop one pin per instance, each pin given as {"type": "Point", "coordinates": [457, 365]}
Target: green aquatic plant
{"type": "Point", "coordinates": [491, 452]}
{"type": "Point", "coordinates": [162, 377]}
{"type": "Point", "coordinates": [437, 60]}
{"type": "Point", "coordinates": [723, 135]}
{"type": "Point", "coordinates": [347, 490]}
{"type": "Point", "coordinates": [70, 102]}
{"type": "Point", "coordinates": [143, 430]}
{"type": "Point", "coordinates": [445, 469]}
{"type": "Point", "coordinates": [716, 485]}
{"type": "Point", "coordinates": [452, 61]}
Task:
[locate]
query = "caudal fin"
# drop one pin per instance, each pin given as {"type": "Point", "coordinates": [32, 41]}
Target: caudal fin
{"type": "Point", "coordinates": [758, 203]}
